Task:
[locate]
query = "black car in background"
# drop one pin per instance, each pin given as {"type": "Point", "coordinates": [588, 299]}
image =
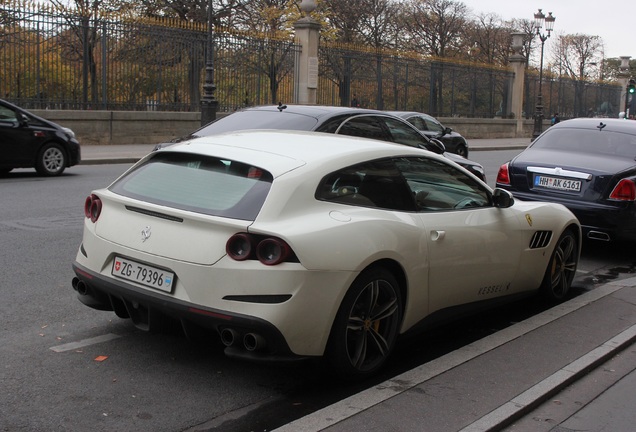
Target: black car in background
{"type": "Point", "coordinates": [432, 128]}
{"type": "Point", "coordinates": [586, 164]}
{"type": "Point", "coordinates": [29, 141]}
{"type": "Point", "coordinates": [329, 119]}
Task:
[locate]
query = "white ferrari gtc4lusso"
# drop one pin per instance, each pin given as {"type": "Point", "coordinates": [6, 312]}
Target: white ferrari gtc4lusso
{"type": "Point", "coordinates": [293, 245]}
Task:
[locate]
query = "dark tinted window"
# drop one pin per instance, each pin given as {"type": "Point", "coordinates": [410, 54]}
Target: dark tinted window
{"type": "Point", "coordinates": [404, 133]}
{"type": "Point", "coordinates": [367, 126]}
{"type": "Point", "coordinates": [438, 186]}
{"type": "Point", "coordinates": [199, 184]}
{"type": "Point", "coordinates": [258, 119]}
{"type": "Point", "coordinates": [372, 184]}
{"type": "Point", "coordinates": [433, 125]}
{"type": "Point", "coordinates": [7, 115]}
{"type": "Point", "coordinates": [418, 122]}
{"type": "Point", "coordinates": [606, 143]}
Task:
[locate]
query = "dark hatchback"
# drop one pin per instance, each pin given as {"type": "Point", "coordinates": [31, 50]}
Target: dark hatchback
{"type": "Point", "coordinates": [358, 122]}
{"type": "Point", "coordinates": [432, 128]}
{"type": "Point", "coordinates": [588, 165]}
{"type": "Point", "coordinates": [29, 141]}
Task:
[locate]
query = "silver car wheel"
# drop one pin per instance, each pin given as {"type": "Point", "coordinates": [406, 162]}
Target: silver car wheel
{"type": "Point", "coordinates": [51, 161]}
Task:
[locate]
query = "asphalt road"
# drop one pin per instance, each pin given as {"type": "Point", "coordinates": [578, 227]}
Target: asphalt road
{"type": "Point", "coordinates": [70, 368]}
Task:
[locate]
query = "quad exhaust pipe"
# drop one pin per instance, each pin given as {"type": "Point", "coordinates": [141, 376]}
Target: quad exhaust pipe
{"type": "Point", "coordinates": [251, 341]}
{"type": "Point", "coordinates": [229, 336]}
{"type": "Point", "coordinates": [79, 286]}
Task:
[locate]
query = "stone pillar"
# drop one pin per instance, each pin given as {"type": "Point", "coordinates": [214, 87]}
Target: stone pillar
{"type": "Point", "coordinates": [623, 80]}
{"type": "Point", "coordinates": [518, 64]}
{"type": "Point", "coordinates": [307, 36]}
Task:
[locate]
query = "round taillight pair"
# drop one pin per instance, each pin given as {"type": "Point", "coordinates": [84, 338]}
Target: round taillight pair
{"type": "Point", "coordinates": [269, 250]}
{"type": "Point", "coordinates": [92, 207]}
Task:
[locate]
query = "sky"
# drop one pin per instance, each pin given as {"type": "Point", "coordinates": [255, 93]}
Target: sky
{"type": "Point", "coordinates": [605, 19]}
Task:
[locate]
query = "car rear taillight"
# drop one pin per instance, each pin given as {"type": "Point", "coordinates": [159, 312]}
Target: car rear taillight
{"type": "Point", "coordinates": [272, 251]}
{"type": "Point", "coordinates": [92, 207]}
{"type": "Point", "coordinates": [503, 176]}
{"type": "Point", "coordinates": [268, 250]}
{"type": "Point", "coordinates": [625, 190]}
{"type": "Point", "coordinates": [239, 247]}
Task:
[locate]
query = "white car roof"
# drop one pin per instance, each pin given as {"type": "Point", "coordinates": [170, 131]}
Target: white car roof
{"type": "Point", "coordinates": [282, 151]}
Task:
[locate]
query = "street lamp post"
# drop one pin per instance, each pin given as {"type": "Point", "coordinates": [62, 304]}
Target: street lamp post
{"type": "Point", "coordinates": [208, 103]}
{"type": "Point", "coordinates": [539, 20]}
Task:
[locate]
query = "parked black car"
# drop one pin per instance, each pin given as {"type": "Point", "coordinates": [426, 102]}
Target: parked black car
{"type": "Point", "coordinates": [586, 164]}
{"type": "Point", "coordinates": [29, 141]}
{"type": "Point", "coordinates": [432, 128]}
{"type": "Point", "coordinates": [340, 120]}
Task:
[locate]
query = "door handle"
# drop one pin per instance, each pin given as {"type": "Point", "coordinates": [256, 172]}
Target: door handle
{"type": "Point", "coordinates": [437, 235]}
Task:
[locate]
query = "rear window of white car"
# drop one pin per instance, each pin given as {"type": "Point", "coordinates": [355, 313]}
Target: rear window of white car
{"type": "Point", "coordinates": [198, 183]}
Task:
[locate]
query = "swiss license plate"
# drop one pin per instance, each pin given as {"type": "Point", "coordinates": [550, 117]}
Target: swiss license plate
{"type": "Point", "coordinates": [149, 276]}
{"type": "Point", "coordinates": [557, 183]}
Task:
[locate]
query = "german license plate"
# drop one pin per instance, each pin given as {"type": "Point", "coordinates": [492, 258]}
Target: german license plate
{"type": "Point", "coordinates": [557, 183]}
{"type": "Point", "coordinates": [149, 276]}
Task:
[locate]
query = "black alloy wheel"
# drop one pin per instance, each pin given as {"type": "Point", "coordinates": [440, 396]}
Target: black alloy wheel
{"type": "Point", "coordinates": [367, 325]}
{"type": "Point", "coordinates": [561, 268]}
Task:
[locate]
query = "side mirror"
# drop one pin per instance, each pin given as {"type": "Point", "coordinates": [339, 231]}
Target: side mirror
{"type": "Point", "coordinates": [501, 198]}
{"type": "Point", "coordinates": [23, 120]}
{"type": "Point", "coordinates": [436, 146]}
{"type": "Point", "coordinates": [447, 131]}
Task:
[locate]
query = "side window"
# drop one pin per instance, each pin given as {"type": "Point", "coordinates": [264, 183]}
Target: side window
{"type": "Point", "coordinates": [403, 133]}
{"type": "Point", "coordinates": [364, 126]}
{"type": "Point", "coordinates": [331, 125]}
{"type": "Point", "coordinates": [433, 126]}
{"type": "Point", "coordinates": [438, 186]}
{"type": "Point", "coordinates": [7, 116]}
{"type": "Point", "coordinates": [418, 122]}
{"type": "Point", "coordinates": [371, 184]}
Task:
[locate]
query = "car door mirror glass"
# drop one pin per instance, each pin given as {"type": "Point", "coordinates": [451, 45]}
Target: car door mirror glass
{"type": "Point", "coordinates": [502, 198]}
{"type": "Point", "coordinates": [437, 146]}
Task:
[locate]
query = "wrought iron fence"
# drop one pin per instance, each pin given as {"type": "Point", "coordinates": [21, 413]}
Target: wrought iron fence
{"type": "Point", "coordinates": [408, 82]}
{"type": "Point", "coordinates": [60, 59]}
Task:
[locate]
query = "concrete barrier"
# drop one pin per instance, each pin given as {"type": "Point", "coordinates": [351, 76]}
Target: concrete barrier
{"type": "Point", "coordinates": [150, 127]}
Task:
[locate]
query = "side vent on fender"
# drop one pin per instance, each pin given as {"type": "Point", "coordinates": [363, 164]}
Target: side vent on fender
{"type": "Point", "coordinates": [540, 239]}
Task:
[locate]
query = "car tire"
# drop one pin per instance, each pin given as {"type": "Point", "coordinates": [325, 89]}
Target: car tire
{"type": "Point", "coordinates": [462, 150]}
{"type": "Point", "coordinates": [366, 325]}
{"type": "Point", "coordinates": [51, 160]}
{"type": "Point", "coordinates": [561, 268]}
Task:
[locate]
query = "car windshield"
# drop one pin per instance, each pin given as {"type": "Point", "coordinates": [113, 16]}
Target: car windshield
{"type": "Point", "coordinates": [606, 143]}
{"type": "Point", "coordinates": [199, 184]}
{"type": "Point", "coordinates": [258, 119]}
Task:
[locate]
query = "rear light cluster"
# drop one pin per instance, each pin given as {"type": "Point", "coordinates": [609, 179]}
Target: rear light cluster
{"type": "Point", "coordinates": [503, 176]}
{"type": "Point", "coordinates": [625, 190]}
{"type": "Point", "coordinates": [268, 250]}
{"type": "Point", "coordinates": [92, 207]}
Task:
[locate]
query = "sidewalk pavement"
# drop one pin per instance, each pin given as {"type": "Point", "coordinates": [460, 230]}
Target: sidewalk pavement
{"type": "Point", "coordinates": [130, 153]}
{"type": "Point", "coordinates": [529, 377]}
{"type": "Point", "coordinates": [501, 379]}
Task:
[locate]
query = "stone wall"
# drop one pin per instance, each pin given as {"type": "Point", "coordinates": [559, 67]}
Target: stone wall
{"type": "Point", "coordinates": [141, 127]}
